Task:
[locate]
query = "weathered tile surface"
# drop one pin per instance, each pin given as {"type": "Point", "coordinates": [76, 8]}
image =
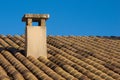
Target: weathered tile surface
{"type": "Point", "coordinates": [69, 58]}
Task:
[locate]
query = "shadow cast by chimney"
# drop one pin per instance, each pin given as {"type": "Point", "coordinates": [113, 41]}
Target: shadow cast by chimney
{"type": "Point", "coordinates": [1, 49]}
{"type": "Point", "coordinates": [14, 51]}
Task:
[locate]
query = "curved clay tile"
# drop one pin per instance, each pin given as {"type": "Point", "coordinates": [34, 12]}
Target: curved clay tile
{"type": "Point", "coordinates": [69, 58]}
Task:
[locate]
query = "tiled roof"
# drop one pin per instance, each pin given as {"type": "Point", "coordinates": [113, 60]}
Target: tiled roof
{"type": "Point", "coordinates": [69, 58]}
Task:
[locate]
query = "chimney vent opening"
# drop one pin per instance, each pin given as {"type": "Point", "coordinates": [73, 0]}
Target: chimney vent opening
{"type": "Point", "coordinates": [35, 24]}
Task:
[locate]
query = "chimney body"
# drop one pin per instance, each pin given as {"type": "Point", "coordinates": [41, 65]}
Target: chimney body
{"type": "Point", "coordinates": [35, 36]}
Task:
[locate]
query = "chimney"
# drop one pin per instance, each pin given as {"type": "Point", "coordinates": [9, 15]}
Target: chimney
{"type": "Point", "coordinates": [35, 36]}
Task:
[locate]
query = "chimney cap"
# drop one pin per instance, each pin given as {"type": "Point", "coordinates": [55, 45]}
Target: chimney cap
{"type": "Point", "coordinates": [35, 17]}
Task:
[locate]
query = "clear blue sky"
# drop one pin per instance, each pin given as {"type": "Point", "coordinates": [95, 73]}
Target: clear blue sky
{"type": "Point", "coordinates": [67, 17]}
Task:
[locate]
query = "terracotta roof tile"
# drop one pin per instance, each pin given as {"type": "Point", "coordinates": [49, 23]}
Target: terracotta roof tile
{"type": "Point", "coordinates": [69, 58]}
{"type": "Point", "coordinates": [3, 74]}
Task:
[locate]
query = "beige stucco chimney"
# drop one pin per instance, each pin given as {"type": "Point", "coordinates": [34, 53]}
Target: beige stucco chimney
{"type": "Point", "coordinates": [35, 36]}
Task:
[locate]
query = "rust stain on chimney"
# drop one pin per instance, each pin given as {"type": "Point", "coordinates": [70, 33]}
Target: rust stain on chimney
{"type": "Point", "coordinates": [35, 36]}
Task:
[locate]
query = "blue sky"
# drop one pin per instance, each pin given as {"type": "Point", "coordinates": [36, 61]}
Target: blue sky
{"type": "Point", "coordinates": [67, 17]}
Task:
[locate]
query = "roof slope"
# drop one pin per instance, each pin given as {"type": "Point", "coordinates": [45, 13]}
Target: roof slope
{"type": "Point", "coordinates": [69, 58]}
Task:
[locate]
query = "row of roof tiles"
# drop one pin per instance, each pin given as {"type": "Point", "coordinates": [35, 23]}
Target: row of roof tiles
{"type": "Point", "coordinates": [69, 58]}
